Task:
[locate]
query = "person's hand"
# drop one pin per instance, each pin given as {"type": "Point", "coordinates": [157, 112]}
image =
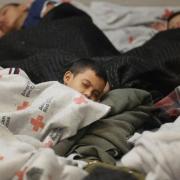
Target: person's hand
{"type": "Point", "coordinates": [48, 8]}
{"type": "Point", "coordinates": [159, 26]}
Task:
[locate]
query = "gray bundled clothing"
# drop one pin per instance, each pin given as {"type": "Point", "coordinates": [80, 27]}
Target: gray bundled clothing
{"type": "Point", "coordinates": [106, 140]}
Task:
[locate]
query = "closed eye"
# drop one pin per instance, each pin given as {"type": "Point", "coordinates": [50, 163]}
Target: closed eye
{"type": "Point", "coordinates": [3, 12]}
{"type": "Point", "coordinates": [85, 84]}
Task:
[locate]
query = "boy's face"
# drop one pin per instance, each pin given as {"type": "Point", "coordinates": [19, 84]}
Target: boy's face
{"type": "Point", "coordinates": [174, 22]}
{"type": "Point", "coordinates": [8, 17]}
{"type": "Point", "coordinates": [87, 83]}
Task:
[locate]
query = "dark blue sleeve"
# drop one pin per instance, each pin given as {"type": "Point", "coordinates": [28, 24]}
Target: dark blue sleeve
{"type": "Point", "coordinates": [34, 15]}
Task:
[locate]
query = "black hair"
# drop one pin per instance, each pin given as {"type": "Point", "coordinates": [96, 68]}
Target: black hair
{"type": "Point", "coordinates": [81, 65]}
{"type": "Point", "coordinates": [173, 16]}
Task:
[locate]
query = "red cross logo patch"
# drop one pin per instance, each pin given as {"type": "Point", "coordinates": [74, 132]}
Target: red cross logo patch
{"type": "Point", "coordinates": [22, 106]}
{"type": "Point", "coordinates": [1, 157]}
{"type": "Point", "coordinates": [80, 100]}
{"type": "Point", "coordinates": [37, 123]}
{"type": "Point", "coordinates": [130, 39]}
{"type": "Point", "coordinates": [167, 13]}
{"type": "Point", "coordinates": [20, 174]}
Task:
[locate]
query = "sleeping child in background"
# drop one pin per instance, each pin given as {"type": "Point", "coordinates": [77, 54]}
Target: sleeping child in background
{"type": "Point", "coordinates": [172, 22]}
{"type": "Point", "coordinates": [14, 16]}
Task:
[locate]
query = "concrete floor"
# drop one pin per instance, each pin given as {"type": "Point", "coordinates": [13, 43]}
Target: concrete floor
{"type": "Point", "coordinates": [140, 2]}
{"type": "Point", "coordinates": [123, 2]}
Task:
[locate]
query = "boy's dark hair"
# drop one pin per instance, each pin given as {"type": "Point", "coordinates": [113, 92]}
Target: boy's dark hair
{"type": "Point", "coordinates": [81, 65]}
{"type": "Point", "coordinates": [172, 16]}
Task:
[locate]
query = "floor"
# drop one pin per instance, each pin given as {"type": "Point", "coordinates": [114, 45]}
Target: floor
{"type": "Point", "coordinates": [142, 2]}
{"type": "Point", "coordinates": [123, 2]}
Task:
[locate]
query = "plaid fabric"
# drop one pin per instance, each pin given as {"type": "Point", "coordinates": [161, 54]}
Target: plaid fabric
{"type": "Point", "coordinates": [170, 105]}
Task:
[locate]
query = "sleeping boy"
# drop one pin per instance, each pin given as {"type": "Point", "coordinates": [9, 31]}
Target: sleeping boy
{"type": "Point", "coordinates": [40, 110]}
{"type": "Point", "coordinates": [87, 77]}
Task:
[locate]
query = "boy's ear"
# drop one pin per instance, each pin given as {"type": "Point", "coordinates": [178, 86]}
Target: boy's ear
{"type": "Point", "coordinates": [67, 77]}
{"type": "Point", "coordinates": [107, 88]}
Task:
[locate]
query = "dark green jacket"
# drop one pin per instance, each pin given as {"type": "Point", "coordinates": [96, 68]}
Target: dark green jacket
{"type": "Point", "coordinates": [106, 139]}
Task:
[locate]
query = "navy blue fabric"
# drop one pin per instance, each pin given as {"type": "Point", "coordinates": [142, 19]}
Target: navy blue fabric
{"type": "Point", "coordinates": [34, 17]}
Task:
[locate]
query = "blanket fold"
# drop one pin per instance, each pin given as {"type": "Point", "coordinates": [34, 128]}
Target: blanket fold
{"type": "Point", "coordinates": [106, 140]}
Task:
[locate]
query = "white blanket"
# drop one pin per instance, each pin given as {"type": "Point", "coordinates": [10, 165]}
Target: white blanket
{"type": "Point", "coordinates": [127, 27]}
{"type": "Point", "coordinates": [25, 158]}
{"type": "Point", "coordinates": [156, 154]}
{"type": "Point", "coordinates": [33, 118]}
{"type": "Point", "coordinates": [48, 111]}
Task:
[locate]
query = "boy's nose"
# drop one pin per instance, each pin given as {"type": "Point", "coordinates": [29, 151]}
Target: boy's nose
{"type": "Point", "coordinates": [87, 93]}
{"type": "Point", "coordinates": [1, 22]}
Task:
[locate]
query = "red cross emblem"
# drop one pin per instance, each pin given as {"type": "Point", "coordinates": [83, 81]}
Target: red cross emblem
{"type": "Point", "coordinates": [22, 106]}
{"type": "Point", "coordinates": [37, 123]}
{"type": "Point", "coordinates": [130, 39]}
{"type": "Point", "coordinates": [1, 157]}
{"type": "Point", "coordinates": [20, 174]}
{"type": "Point", "coordinates": [167, 13]}
{"type": "Point", "coordinates": [80, 100]}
